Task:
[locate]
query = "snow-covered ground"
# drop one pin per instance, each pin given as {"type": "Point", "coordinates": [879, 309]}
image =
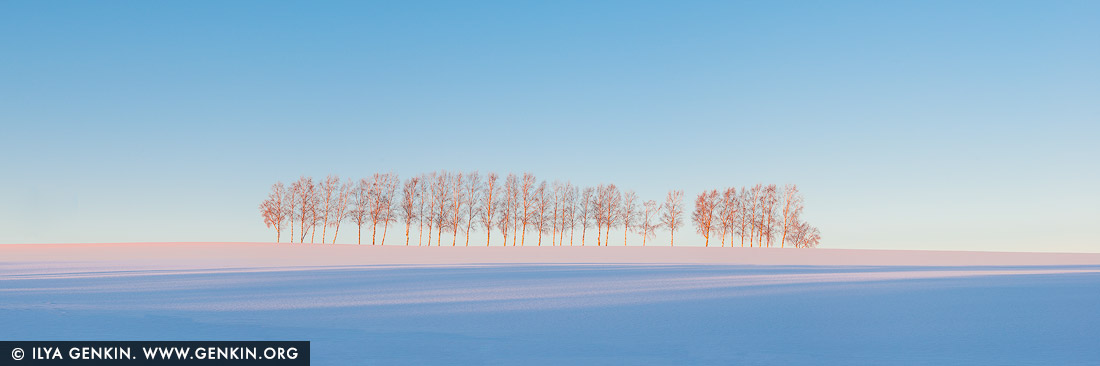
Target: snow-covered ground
{"type": "Point", "coordinates": [609, 305]}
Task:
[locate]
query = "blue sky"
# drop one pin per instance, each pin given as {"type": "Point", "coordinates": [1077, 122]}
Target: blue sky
{"type": "Point", "coordinates": [908, 125]}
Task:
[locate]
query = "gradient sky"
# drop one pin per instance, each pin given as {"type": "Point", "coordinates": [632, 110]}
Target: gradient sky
{"type": "Point", "coordinates": [959, 125]}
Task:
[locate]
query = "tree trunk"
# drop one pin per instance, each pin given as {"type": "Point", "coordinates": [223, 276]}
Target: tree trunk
{"type": "Point", "coordinates": [335, 233]}
{"type": "Point", "coordinates": [385, 229]}
{"type": "Point", "coordinates": [561, 236]}
{"type": "Point", "coordinates": [469, 223]}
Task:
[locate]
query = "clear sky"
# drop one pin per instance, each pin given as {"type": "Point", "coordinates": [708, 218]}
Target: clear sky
{"type": "Point", "coordinates": [962, 125]}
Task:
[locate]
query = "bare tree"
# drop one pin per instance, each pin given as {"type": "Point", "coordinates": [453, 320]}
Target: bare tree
{"type": "Point", "coordinates": [727, 213]}
{"type": "Point", "coordinates": [565, 213]}
{"type": "Point", "coordinates": [554, 207]}
{"type": "Point", "coordinates": [755, 195]}
{"type": "Point", "coordinates": [767, 204]}
{"type": "Point", "coordinates": [473, 200]}
{"type": "Point", "coordinates": [441, 186]}
{"type": "Point", "coordinates": [540, 203]}
{"type": "Point", "coordinates": [374, 204]}
{"type": "Point", "coordinates": [703, 216]}
{"type": "Point", "coordinates": [314, 210]}
{"type": "Point", "coordinates": [361, 209]}
{"type": "Point", "coordinates": [586, 206]}
{"type": "Point", "coordinates": [672, 213]}
{"type": "Point", "coordinates": [508, 209]}
{"type": "Point", "coordinates": [628, 212]}
{"type": "Point", "coordinates": [306, 193]}
{"type": "Point", "coordinates": [612, 200]}
{"type": "Point", "coordinates": [389, 198]}
{"type": "Point", "coordinates": [291, 207]}
{"type": "Point", "coordinates": [743, 216]}
{"type": "Point", "coordinates": [273, 211]}
{"type": "Point", "coordinates": [340, 210]}
{"type": "Point", "coordinates": [598, 216]}
{"type": "Point", "coordinates": [650, 211]}
{"type": "Point", "coordinates": [458, 198]}
{"type": "Point", "coordinates": [328, 200]}
{"type": "Point", "coordinates": [504, 207]}
{"type": "Point", "coordinates": [487, 209]}
{"type": "Point", "coordinates": [803, 235]}
{"type": "Point", "coordinates": [422, 216]}
{"type": "Point", "coordinates": [792, 208]}
{"type": "Point", "coordinates": [528, 185]}
{"type": "Point", "coordinates": [409, 198]}
{"type": "Point", "coordinates": [569, 213]}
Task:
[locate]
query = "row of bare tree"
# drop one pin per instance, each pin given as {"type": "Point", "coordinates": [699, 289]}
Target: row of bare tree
{"type": "Point", "coordinates": [458, 203]}
{"type": "Point", "coordinates": [760, 213]}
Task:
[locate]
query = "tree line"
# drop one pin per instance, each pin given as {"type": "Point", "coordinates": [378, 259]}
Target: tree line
{"type": "Point", "coordinates": [456, 203]}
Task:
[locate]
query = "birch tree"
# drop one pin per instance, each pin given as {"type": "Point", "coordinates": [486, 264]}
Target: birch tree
{"type": "Point", "coordinates": [650, 209]}
{"type": "Point", "coordinates": [554, 207]}
{"type": "Point", "coordinates": [727, 213]}
{"type": "Point", "coordinates": [441, 189]}
{"type": "Point", "coordinates": [599, 200]}
{"type": "Point", "coordinates": [803, 235]}
{"type": "Point", "coordinates": [508, 214]}
{"type": "Point", "coordinates": [306, 193]}
{"type": "Point", "coordinates": [585, 210]}
{"type": "Point", "coordinates": [291, 208]}
{"type": "Point", "coordinates": [768, 204]}
{"type": "Point", "coordinates": [703, 216]}
{"type": "Point", "coordinates": [273, 211]}
{"type": "Point", "coordinates": [526, 189]}
{"type": "Point", "coordinates": [389, 201]}
{"type": "Point", "coordinates": [328, 200]}
{"type": "Point", "coordinates": [314, 210]}
{"type": "Point", "coordinates": [672, 214]}
{"type": "Point", "coordinates": [361, 208]}
{"type": "Point", "coordinates": [612, 200]}
{"type": "Point", "coordinates": [792, 208]}
{"type": "Point", "coordinates": [422, 214]}
{"type": "Point", "coordinates": [743, 215]}
{"type": "Point", "coordinates": [628, 212]}
{"type": "Point", "coordinates": [340, 210]}
{"type": "Point", "coordinates": [409, 197]}
{"type": "Point", "coordinates": [539, 206]}
{"type": "Point", "coordinates": [458, 200]}
{"type": "Point", "coordinates": [487, 208]}
{"type": "Point", "coordinates": [570, 196]}
{"type": "Point", "coordinates": [473, 200]}
{"type": "Point", "coordinates": [374, 204]}
{"type": "Point", "coordinates": [755, 195]}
